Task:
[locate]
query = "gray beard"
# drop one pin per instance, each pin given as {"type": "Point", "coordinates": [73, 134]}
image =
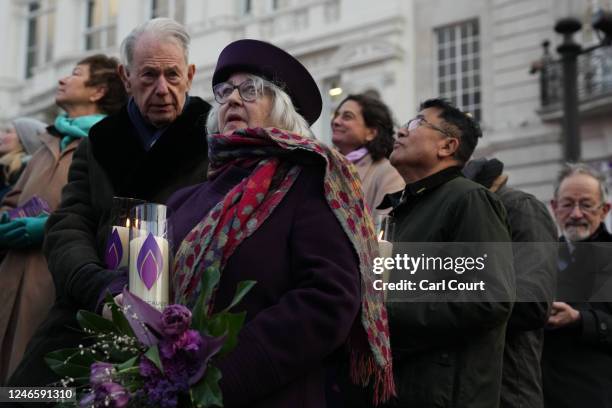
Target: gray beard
{"type": "Point", "coordinates": [576, 234]}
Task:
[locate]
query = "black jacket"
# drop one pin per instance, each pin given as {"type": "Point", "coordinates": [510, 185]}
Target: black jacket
{"type": "Point", "coordinates": [534, 237]}
{"type": "Point", "coordinates": [577, 360]}
{"type": "Point", "coordinates": [449, 354]}
{"type": "Point", "coordinates": [112, 162]}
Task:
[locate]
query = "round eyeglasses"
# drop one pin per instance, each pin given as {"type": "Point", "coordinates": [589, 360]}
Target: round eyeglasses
{"type": "Point", "coordinates": [246, 89]}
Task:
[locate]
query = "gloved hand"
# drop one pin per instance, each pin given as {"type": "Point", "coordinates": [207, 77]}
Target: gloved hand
{"type": "Point", "coordinates": [9, 231]}
{"type": "Point", "coordinates": [26, 232]}
{"type": "Point", "coordinates": [4, 217]}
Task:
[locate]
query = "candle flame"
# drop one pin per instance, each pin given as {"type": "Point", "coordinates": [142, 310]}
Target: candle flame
{"type": "Point", "coordinates": [127, 223]}
{"type": "Point", "coordinates": [380, 236]}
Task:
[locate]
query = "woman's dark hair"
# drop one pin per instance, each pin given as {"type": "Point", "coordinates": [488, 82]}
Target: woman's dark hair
{"type": "Point", "coordinates": [103, 71]}
{"type": "Point", "coordinates": [378, 116]}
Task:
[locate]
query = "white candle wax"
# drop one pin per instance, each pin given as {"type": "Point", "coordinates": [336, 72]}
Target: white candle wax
{"type": "Point", "coordinates": [158, 294]}
{"type": "Point", "coordinates": [124, 236]}
{"type": "Point", "coordinates": [385, 249]}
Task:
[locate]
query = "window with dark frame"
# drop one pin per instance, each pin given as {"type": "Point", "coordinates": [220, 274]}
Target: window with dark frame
{"type": "Point", "coordinates": [458, 65]}
{"type": "Point", "coordinates": [174, 9]}
{"type": "Point", "coordinates": [101, 24]}
{"type": "Point", "coordinates": [40, 21]}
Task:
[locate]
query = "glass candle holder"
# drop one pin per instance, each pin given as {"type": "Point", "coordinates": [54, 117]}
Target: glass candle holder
{"type": "Point", "coordinates": [149, 261]}
{"type": "Point", "coordinates": [117, 245]}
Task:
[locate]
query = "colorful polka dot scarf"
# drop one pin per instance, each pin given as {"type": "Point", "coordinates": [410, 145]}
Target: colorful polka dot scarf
{"type": "Point", "coordinates": [253, 200]}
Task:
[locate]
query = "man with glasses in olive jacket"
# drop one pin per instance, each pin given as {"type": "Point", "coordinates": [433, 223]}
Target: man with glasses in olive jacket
{"type": "Point", "coordinates": [448, 351]}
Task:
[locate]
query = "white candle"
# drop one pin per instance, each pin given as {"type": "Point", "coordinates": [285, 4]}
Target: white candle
{"type": "Point", "coordinates": [385, 250]}
{"type": "Point", "coordinates": [117, 248]}
{"type": "Point", "coordinates": [124, 235]}
{"type": "Point", "coordinates": [149, 277]}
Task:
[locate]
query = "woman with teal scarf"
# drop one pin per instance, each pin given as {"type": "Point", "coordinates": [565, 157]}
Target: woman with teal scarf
{"type": "Point", "coordinates": [92, 91]}
{"type": "Point", "coordinates": [75, 128]}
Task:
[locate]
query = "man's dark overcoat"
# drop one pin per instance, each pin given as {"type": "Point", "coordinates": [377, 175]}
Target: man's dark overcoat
{"type": "Point", "coordinates": [112, 162]}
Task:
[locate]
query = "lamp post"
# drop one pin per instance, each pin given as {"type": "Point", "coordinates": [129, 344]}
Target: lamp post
{"type": "Point", "coordinates": [569, 51]}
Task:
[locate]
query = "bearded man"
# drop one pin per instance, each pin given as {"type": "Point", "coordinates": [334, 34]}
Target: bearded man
{"type": "Point", "coordinates": [577, 353]}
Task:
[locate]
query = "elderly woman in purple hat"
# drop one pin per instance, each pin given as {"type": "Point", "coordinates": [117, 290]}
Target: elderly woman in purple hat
{"type": "Point", "coordinates": [284, 210]}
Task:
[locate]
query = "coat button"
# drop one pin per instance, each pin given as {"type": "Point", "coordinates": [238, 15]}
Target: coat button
{"type": "Point", "coordinates": [603, 326]}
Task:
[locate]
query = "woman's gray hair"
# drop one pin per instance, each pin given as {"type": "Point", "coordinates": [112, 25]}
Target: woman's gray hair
{"type": "Point", "coordinates": [571, 169]}
{"type": "Point", "coordinates": [163, 29]}
{"type": "Point", "coordinates": [282, 114]}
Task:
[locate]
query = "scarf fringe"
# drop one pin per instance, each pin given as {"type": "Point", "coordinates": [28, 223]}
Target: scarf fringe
{"type": "Point", "coordinates": [363, 367]}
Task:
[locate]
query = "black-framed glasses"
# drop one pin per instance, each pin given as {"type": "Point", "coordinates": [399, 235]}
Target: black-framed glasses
{"type": "Point", "coordinates": [412, 124]}
{"type": "Point", "coordinates": [247, 89]}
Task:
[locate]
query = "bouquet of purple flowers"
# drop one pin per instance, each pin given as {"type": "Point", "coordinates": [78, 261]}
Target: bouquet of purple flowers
{"type": "Point", "coordinates": [147, 358]}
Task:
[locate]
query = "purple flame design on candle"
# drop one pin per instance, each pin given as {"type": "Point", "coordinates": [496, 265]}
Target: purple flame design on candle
{"type": "Point", "coordinates": [150, 261]}
{"type": "Point", "coordinates": [114, 250]}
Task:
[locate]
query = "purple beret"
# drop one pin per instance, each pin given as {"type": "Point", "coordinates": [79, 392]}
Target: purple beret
{"type": "Point", "coordinates": [277, 66]}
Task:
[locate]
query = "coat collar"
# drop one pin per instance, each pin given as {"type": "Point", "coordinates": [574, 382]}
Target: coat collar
{"type": "Point", "coordinates": [364, 162]}
{"type": "Point", "coordinates": [420, 187]}
{"type": "Point", "coordinates": [52, 138]}
{"type": "Point", "coordinates": [117, 147]}
{"type": "Point", "coordinates": [600, 235]}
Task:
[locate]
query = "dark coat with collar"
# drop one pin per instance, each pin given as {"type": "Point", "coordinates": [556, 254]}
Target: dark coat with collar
{"type": "Point", "coordinates": [305, 302]}
{"type": "Point", "coordinates": [534, 237]}
{"type": "Point", "coordinates": [449, 354]}
{"type": "Point", "coordinates": [577, 360]}
{"type": "Point", "coordinates": [111, 163]}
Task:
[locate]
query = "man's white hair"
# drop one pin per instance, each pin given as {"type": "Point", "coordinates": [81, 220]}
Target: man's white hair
{"type": "Point", "coordinates": [163, 29]}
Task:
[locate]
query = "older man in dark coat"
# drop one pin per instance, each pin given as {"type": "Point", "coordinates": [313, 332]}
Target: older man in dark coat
{"type": "Point", "coordinates": [577, 356]}
{"type": "Point", "coordinates": [151, 148]}
{"type": "Point", "coordinates": [447, 353]}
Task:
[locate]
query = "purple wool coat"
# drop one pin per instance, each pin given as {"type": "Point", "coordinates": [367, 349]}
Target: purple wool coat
{"type": "Point", "coordinates": [306, 299]}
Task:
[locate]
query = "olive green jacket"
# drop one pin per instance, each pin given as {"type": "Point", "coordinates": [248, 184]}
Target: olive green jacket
{"type": "Point", "coordinates": [449, 354]}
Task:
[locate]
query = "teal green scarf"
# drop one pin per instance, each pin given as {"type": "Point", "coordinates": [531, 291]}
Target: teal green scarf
{"type": "Point", "coordinates": [75, 128]}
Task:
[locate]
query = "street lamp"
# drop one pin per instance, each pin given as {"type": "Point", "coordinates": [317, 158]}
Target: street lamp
{"type": "Point", "coordinates": [569, 51]}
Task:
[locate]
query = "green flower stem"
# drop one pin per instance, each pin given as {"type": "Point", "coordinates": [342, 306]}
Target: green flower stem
{"type": "Point", "coordinates": [128, 370]}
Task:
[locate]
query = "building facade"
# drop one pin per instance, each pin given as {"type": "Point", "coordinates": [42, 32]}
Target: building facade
{"type": "Point", "coordinates": [476, 52]}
